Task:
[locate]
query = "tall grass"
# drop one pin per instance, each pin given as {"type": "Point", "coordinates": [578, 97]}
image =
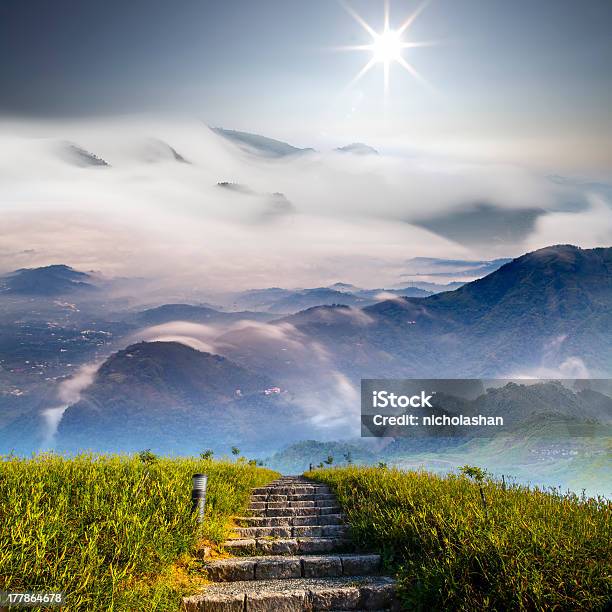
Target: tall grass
{"type": "Point", "coordinates": [455, 547]}
{"type": "Point", "coordinates": [95, 526]}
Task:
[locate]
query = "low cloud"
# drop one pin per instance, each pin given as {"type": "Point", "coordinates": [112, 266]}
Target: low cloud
{"type": "Point", "coordinates": [591, 227]}
{"type": "Point", "coordinates": [341, 217]}
{"type": "Point", "coordinates": [569, 368]}
{"type": "Point", "coordinates": [69, 392]}
{"type": "Point", "coordinates": [197, 336]}
{"type": "Point", "coordinates": [299, 365]}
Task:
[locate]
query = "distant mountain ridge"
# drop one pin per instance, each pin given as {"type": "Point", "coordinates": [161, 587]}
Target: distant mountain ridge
{"type": "Point", "coordinates": [255, 143]}
{"type": "Point", "coordinates": [46, 281]}
{"type": "Point", "coordinates": [358, 148]}
{"type": "Point", "coordinates": [547, 306]}
{"type": "Point", "coordinates": [196, 314]}
{"type": "Point", "coordinates": [288, 301]}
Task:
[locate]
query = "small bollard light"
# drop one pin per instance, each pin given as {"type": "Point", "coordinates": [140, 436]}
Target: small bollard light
{"type": "Point", "coordinates": [198, 495]}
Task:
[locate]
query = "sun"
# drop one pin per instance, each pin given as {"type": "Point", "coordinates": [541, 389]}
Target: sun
{"type": "Point", "coordinates": [387, 47]}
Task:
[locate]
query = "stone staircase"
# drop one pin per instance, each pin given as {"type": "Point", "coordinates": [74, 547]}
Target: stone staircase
{"type": "Point", "coordinates": [293, 553]}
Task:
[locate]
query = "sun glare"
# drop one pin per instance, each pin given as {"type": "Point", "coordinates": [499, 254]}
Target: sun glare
{"type": "Point", "coordinates": [387, 46]}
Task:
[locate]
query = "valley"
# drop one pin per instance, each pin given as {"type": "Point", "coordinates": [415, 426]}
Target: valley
{"type": "Point", "coordinates": [179, 376]}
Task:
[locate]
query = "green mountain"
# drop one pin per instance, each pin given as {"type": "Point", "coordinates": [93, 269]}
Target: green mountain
{"type": "Point", "coordinates": [173, 398]}
{"type": "Point", "coordinates": [541, 309]}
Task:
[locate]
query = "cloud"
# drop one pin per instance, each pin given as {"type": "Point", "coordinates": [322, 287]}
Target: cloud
{"type": "Point", "coordinates": [571, 367]}
{"type": "Point", "coordinates": [301, 366]}
{"type": "Point", "coordinates": [347, 217]}
{"type": "Point", "coordinates": [588, 228]}
{"type": "Point", "coordinates": [69, 392]}
{"type": "Point", "coordinates": [197, 336]}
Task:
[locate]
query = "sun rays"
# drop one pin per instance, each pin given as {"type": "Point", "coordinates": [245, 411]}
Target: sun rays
{"type": "Point", "coordinates": [387, 47]}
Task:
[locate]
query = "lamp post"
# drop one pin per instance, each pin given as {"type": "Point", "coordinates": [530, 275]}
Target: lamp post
{"type": "Point", "coordinates": [198, 495]}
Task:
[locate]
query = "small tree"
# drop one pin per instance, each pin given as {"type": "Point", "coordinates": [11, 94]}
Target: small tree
{"type": "Point", "coordinates": [207, 455]}
{"type": "Point", "coordinates": [329, 460]}
{"type": "Point", "coordinates": [382, 465]}
{"type": "Point", "coordinates": [478, 475]}
{"type": "Point", "coordinates": [348, 457]}
{"type": "Point", "coordinates": [146, 456]}
{"type": "Point", "coordinates": [235, 451]}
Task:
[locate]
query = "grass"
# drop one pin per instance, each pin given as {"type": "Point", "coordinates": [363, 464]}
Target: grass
{"type": "Point", "coordinates": [113, 532]}
{"type": "Point", "coordinates": [457, 544]}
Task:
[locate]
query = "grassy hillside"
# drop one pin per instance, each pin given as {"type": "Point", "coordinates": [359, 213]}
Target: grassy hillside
{"type": "Point", "coordinates": [459, 546]}
{"type": "Point", "coordinates": [108, 530]}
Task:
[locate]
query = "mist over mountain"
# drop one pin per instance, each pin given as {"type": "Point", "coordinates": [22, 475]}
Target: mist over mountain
{"type": "Point", "coordinates": [545, 314]}
{"type": "Point", "coordinates": [46, 281]}
{"type": "Point", "coordinates": [547, 307]}
{"type": "Point", "coordinates": [63, 206]}
{"type": "Point", "coordinates": [170, 397]}
{"type": "Point", "coordinates": [262, 145]}
{"type": "Point", "coordinates": [80, 157]}
{"type": "Point", "coordinates": [358, 148]}
{"type": "Point", "coordinates": [196, 314]}
{"type": "Point", "coordinates": [285, 301]}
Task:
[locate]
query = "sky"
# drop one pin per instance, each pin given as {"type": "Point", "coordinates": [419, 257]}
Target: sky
{"type": "Point", "coordinates": [500, 146]}
{"type": "Point", "coordinates": [521, 81]}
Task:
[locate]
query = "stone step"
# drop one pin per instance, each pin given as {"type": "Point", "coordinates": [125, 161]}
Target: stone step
{"type": "Point", "coordinates": [273, 497]}
{"type": "Point", "coordinates": [308, 531]}
{"type": "Point", "coordinates": [282, 568]}
{"type": "Point", "coordinates": [291, 490]}
{"type": "Point", "coordinates": [289, 521]}
{"type": "Point", "coordinates": [286, 546]}
{"type": "Point", "coordinates": [308, 503]}
{"type": "Point", "coordinates": [323, 510]}
{"type": "Point", "coordinates": [346, 593]}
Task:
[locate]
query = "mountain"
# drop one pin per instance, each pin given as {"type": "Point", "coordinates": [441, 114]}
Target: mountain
{"type": "Point", "coordinates": [551, 304]}
{"type": "Point", "coordinates": [358, 148]}
{"type": "Point", "coordinates": [519, 403]}
{"type": "Point", "coordinates": [154, 150]}
{"type": "Point", "coordinates": [195, 314]}
{"type": "Point", "coordinates": [78, 156]}
{"type": "Point", "coordinates": [47, 281]}
{"type": "Point", "coordinates": [170, 397]}
{"type": "Point", "coordinates": [433, 287]}
{"type": "Point", "coordinates": [307, 298]}
{"type": "Point", "coordinates": [343, 287]}
{"type": "Point", "coordinates": [542, 309]}
{"type": "Point", "coordinates": [288, 301]}
{"type": "Point", "coordinates": [378, 295]}
{"type": "Point", "coordinates": [261, 145]}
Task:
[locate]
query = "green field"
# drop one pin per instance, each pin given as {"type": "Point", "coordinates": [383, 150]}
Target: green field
{"type": "Point", "coordinates": [110, 531]}
{"type": "Point", "coordinates": [457, 545]}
